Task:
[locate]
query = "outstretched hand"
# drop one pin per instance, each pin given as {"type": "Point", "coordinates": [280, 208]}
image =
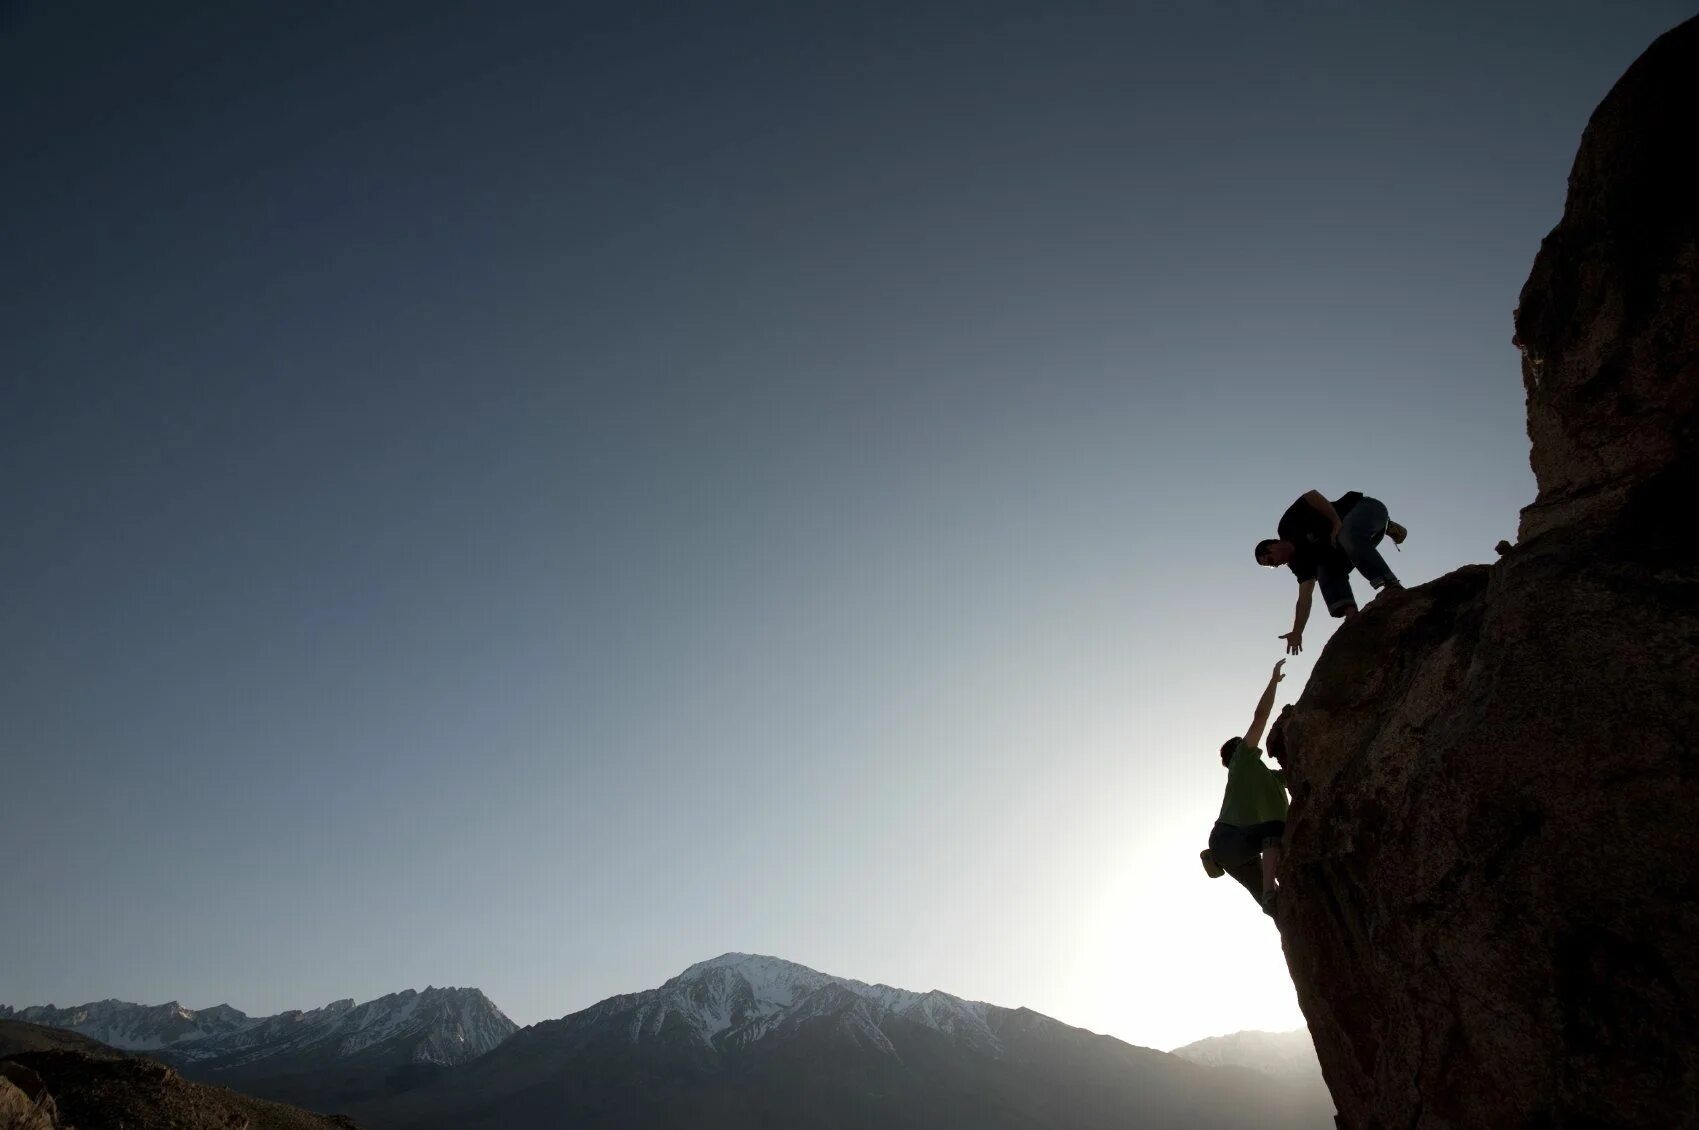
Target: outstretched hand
{"type": "Point", "coordinates": [1294, 643]}
{"type": "Point", "coordinates": [1278, 675]}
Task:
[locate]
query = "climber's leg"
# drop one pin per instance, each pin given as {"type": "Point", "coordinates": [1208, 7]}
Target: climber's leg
{"type": "Point", "coordinates": [1336, 588]}
{"type": "Point", "coordinates": [1249, 877]}
{"type": "Point", "coordinates": [1235, 850]}
{"type": "Point", "coordinates": [1360, 537]}
{"type": "Point", "coordinates": [1270, 864]}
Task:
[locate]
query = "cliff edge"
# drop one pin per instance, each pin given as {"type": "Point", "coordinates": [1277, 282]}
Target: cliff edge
{"type": "Point", "coordinates": [1492, 870]}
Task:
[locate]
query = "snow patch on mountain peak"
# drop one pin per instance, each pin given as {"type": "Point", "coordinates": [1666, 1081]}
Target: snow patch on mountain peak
{"type": "Point", "coordinates": [739, 998]}
{"type": "Point", "coordinates": [445, 1026]}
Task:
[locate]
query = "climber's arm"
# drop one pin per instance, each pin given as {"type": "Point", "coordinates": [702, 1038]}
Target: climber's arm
{"type": "Point", "coordinates": [1259, 720]}
{"type": "Point", "coordinates": [1300, 616]}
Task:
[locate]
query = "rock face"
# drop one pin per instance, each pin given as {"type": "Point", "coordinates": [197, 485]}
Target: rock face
{"type": "Point", "coordinates": [24, 1101]}
{"type": "Point", "coordinates": [1492, 908]}
{"type": "Point", "coordinates": [1609, 317]}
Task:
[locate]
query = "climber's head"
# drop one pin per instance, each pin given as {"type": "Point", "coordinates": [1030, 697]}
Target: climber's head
{"type": "Point", "coordinates": [1272, 553]}
{"type": "Point", "coordinates": [1227, 748]}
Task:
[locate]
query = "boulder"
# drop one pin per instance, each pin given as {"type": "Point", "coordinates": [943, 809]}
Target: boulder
{"type": "Point", "coordinates": [24, 1101]}
{"type": "Point", "coordinates": [1609, 317]}
{"type": "Point", "coordinates": [1492, 907]}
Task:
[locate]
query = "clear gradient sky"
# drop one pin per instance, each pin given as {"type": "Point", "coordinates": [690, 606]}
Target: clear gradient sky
{"type": "Point", "coordinates": [533, 495]}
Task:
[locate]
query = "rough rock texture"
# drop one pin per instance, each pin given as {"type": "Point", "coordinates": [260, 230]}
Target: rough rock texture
{"type": "Point", "coordinates": [139, 1094]}
{"type": "Point", "coordinates": [24, 1101]}
{"type": "Point", "coordinates": [1492, 907]}
{"type": "Point", "coordinates": [1609, 317]}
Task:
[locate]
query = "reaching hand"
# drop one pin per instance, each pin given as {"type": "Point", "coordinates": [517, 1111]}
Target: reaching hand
{"type": "Point", "coordinates": [1277, 673]}
{"type": "Point", "coordinates": [1294, 643]}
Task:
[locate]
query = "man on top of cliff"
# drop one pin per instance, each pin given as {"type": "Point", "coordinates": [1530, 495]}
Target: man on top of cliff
{"type": "Point", "coordinates": [1322, 540]}
{"type": "Point", "coordinates": [1253, 809]}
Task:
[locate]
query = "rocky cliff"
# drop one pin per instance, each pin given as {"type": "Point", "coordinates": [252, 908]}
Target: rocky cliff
{"type": "Point", "coordinates": [1492, 875]}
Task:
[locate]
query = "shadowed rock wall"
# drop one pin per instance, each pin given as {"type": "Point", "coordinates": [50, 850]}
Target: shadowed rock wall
{"type": "Point", "coordinates": [1492, 908]}
{"type": "Point", "coordinates": [1609, 316]}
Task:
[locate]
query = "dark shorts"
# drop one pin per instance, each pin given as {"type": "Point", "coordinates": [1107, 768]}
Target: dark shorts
{"type": "Point", "coordinates": [1234, 846]}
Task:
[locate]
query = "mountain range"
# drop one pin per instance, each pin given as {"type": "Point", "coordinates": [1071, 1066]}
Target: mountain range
{"type": "Point", "coordinates": [324, 1058]}
{"type": "Point", "coordinates": [438, 1026]}
{"type": "Point", "coordinates": [740, 1040]}
{"type": "Point", "coordinates": [745, 1040]}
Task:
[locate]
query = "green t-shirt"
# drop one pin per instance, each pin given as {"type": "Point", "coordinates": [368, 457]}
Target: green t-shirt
{"type": "Point", "coordinates": [1254, 792]}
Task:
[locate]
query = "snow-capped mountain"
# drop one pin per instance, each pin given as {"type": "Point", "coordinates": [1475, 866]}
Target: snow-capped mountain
{"type": "Point", "coordinates": [135, 1027]}
{"type": "Point", "coordinates": [745, 1040]}
{"type": "Point", "coordinates": [438, 1026]}
{"type": "Point", "coordinates": [1282, 1054]}
{"type": "Point", "coordinates": [738, 999]}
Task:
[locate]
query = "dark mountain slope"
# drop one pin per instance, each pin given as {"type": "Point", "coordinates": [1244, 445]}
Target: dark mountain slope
{"type": "Point", "coordinates": [20, 1036]}
{"type": "Point", "coordinates": [90, 1092]}
{"type": "Point", "coordinates": [756, 1042]}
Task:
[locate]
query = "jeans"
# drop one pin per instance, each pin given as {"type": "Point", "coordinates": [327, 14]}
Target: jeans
{"type": "Point", "coordinates": [1361, 534]}
{"type": "Point", "coordinates": [1239, 851]}
{"type": "Point", "coordinates": [1233, 845]}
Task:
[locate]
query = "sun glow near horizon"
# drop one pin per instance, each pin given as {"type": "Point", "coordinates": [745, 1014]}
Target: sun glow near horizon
{"type": "Point", "coordinates": [555, 527]}
{"type": "Point", "coordinates": [1169, 956]}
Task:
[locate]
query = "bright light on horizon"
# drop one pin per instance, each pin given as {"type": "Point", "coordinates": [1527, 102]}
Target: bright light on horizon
{"type": "Point", "coordinates": [537, 526]}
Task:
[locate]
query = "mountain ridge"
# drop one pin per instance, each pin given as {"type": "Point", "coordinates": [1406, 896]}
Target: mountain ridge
{"type": "Point", "coordinates": [448, 1025]}
{"type": "Point", "coordinates": [748, 1039]}
{"type": "Point", "coordinates": [1284, 1054]}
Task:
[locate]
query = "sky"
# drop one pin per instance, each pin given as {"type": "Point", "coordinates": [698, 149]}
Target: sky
{"type": "Point", "coordinates": [535, 495]}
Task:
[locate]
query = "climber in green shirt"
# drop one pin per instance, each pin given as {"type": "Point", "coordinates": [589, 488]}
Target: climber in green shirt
{"type": "Point", "coordinates": [1253, 810]}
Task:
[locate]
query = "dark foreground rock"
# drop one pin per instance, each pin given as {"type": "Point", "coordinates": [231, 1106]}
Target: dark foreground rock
{"type": "Point", "coordinates": [25, 1102]}
{"type": "Point", "coordinates": [19, 1036]}
{"type": "Point", "coordinates": [87, 1088]}
{"type": "Point", "coordinates": [1492, 909]}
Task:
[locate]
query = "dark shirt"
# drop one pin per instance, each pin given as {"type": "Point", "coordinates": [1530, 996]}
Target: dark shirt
{"type": "Point", "coordinates": [1310, 532]}
{"type": "Point", "coordinates": [1255, 793]}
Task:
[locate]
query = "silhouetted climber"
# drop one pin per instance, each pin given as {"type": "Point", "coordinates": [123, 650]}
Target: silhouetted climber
{"type": "Point", "coordinates": [1322, 540]}
{"type": "Point", "coordinates": [1253, 810]}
